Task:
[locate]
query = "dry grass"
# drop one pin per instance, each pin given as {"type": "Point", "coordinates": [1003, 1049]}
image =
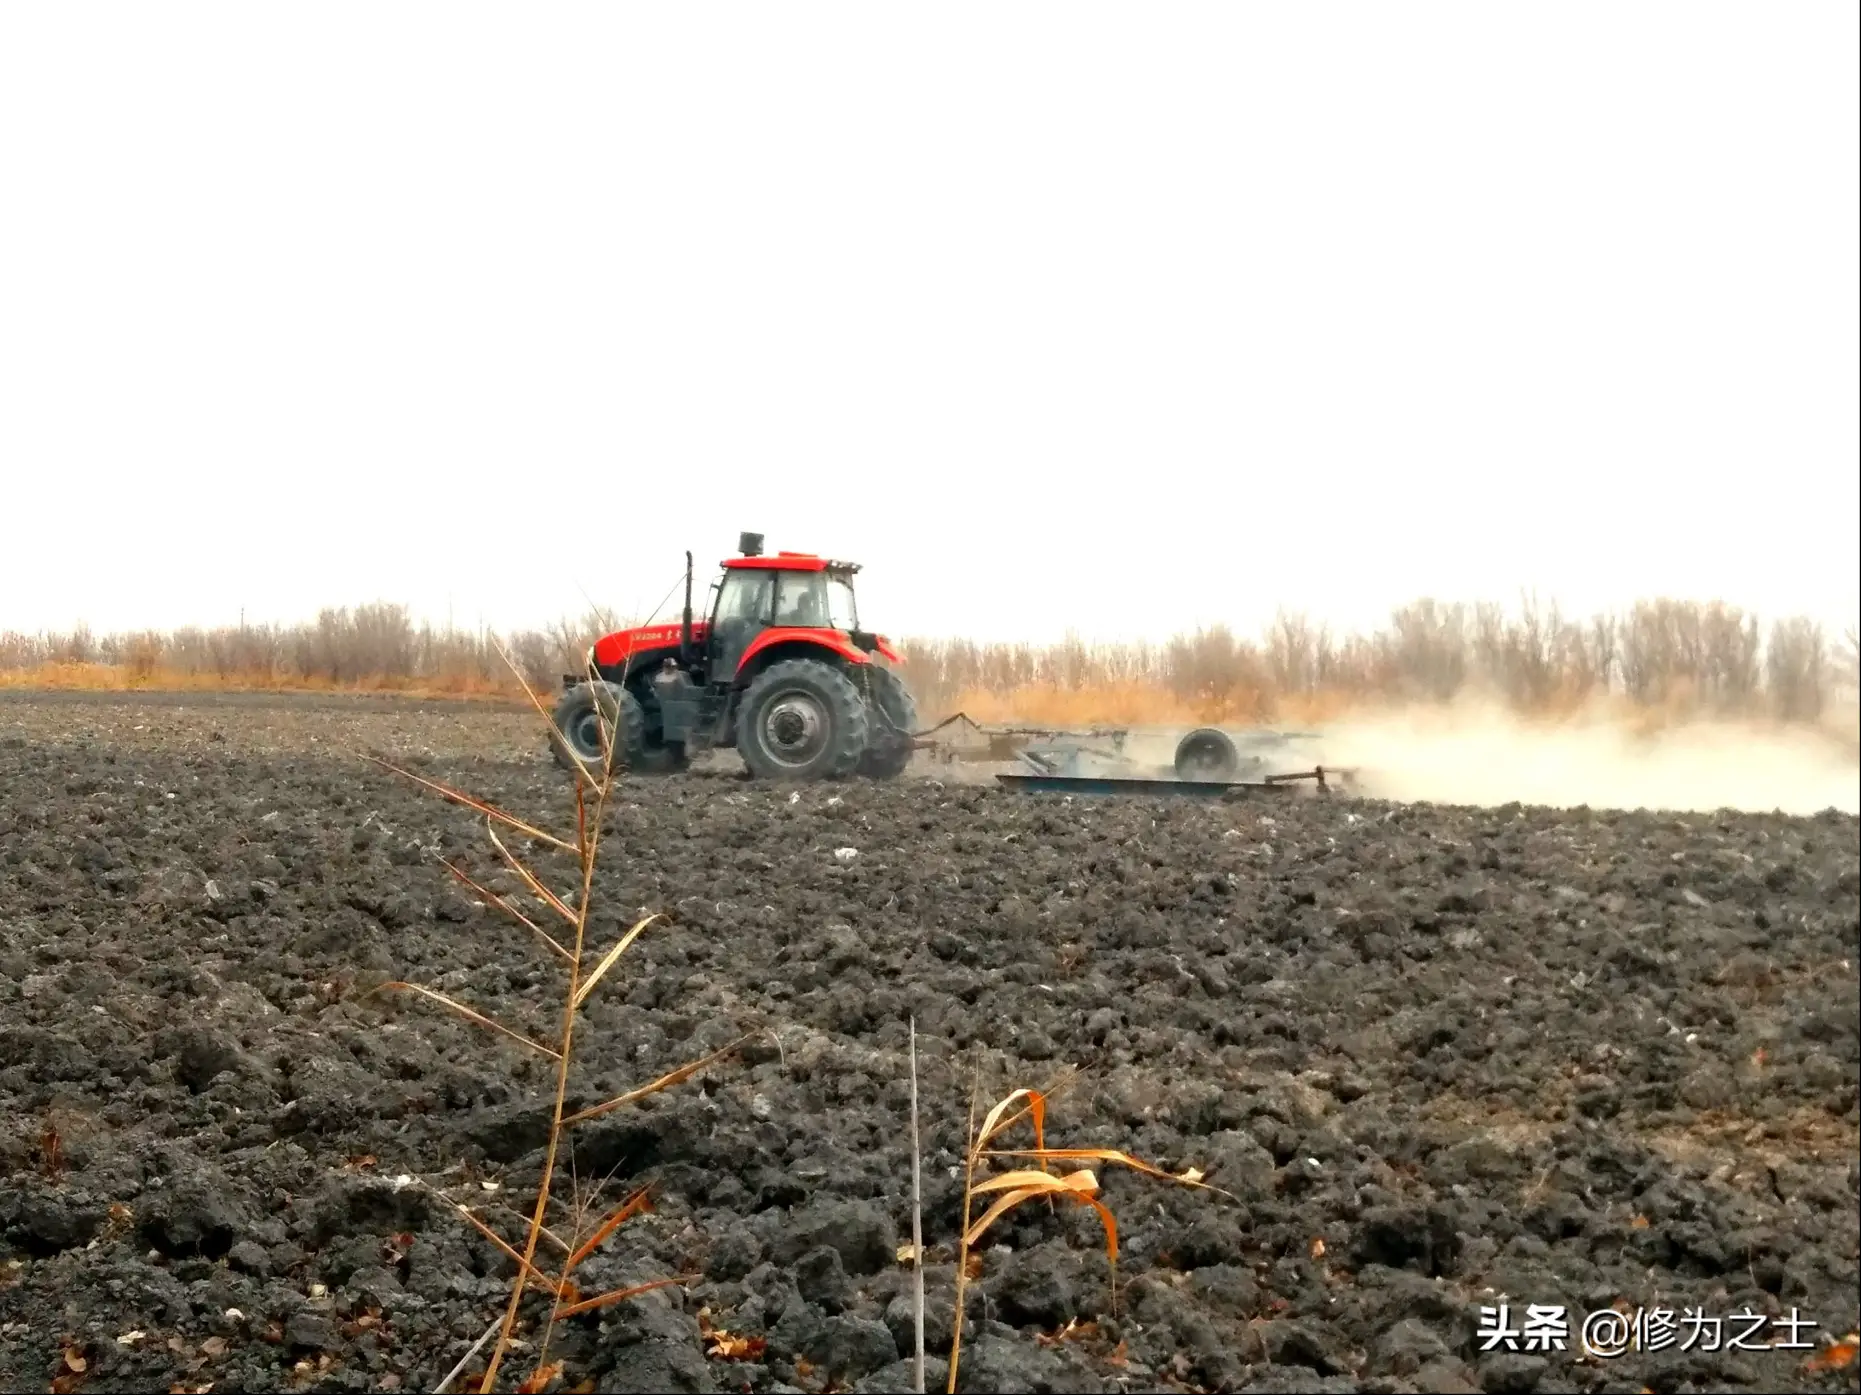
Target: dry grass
{"type": "Point", "coordinates": [113, 678]}
{"type": "Point", "coordinates": [374, 648]}
{"type": "Point", "coordinates": [1020, 1185]}
{"type": "Point", "coordinates": [582, 975]}
{"type": "Point", "coordinates": [1673, 659]}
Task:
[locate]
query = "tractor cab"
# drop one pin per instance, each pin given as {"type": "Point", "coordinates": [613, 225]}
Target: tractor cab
{"type": "Point", "coordinates": [809, 596]}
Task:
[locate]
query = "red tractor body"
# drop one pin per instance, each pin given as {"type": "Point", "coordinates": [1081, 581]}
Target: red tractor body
{"type": "Point", "coordinates": [780, 669]}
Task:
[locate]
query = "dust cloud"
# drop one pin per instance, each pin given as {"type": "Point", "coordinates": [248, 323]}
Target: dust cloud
{"type": "Point", "coordinates": [1484, 756]}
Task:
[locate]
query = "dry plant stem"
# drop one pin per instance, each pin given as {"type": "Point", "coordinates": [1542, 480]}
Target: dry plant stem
{"type": "Point", "coordinates": [962, 1240]}
{"type": "Point", "coordinates": [465, 1360]}
{"type": "Point", "coordinates": [917, 1222]}
{"type": "Point", "coordinates": [556, 1289]}
{"type": "Point", "coordinates": [587, 840]}
{"type": "Point", "coordinates": [591, 800]}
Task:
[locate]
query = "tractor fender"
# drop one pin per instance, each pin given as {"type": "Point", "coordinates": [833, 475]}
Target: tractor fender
{"type": "Point", "coordinates": [795, 640]}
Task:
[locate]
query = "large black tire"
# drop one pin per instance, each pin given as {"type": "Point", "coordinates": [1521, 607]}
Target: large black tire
{"type": "Point", "coordinates": [576, 740]}
{"type": "Point", "coordinates": [576, 734]}
{"type": "Point", "coordinates": [894, 720]}
{"type": "Point", "coordinates": [802, 720]}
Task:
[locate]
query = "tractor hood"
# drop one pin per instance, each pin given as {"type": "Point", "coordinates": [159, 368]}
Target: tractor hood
{"type": "Point", "coordinates": [652, 644]}
{"type": "Point", "coordinates": [644, 642]}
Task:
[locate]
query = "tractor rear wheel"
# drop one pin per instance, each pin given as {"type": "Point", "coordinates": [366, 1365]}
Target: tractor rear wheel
{"type": "Point", "coordinates": [894, 720]}
{"type": "Point", "coordinates": [802, 720]}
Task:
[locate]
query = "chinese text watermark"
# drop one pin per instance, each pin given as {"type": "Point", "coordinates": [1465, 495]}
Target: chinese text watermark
{"type": "Point", "coordinates": [1612, 1332]}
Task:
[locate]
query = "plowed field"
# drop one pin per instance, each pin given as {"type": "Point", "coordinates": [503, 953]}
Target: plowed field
{"type": "Point", "coordinates": [1440, 1058]}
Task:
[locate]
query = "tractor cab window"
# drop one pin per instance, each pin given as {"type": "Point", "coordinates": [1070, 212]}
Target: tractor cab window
{"type": "Point", "coordinates": [842, 613]}
{"type": "Point", "coordinates": [798, 599]}
{"type": "Point", "coordinates": [744, 599]}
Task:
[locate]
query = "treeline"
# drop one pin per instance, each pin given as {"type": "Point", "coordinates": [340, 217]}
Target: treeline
{"type": "Point", "coordinates": [370, 647]}
{"type": "Point", "coordinates": [1675, 655]}
{"type": "Point", "coordinates": [1678, 656]}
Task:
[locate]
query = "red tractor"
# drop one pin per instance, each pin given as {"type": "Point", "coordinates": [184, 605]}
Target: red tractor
{"type": "Point", "coordinates": [781, 670]}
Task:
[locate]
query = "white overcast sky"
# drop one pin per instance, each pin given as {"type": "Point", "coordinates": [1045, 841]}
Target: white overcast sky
{"type": "Point", "coordinates": [1125, 318]}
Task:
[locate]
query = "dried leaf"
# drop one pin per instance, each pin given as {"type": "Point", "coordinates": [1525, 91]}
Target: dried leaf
{"type": "Point", "coordinates": [537, 1276]}
{"type": "Point", "coordinates": [664, 1082]}
{"type": "Point", "coordinates": [1190, 1177]}
{"type": "Point", "coordinates": [540, 1378]}
{"type": "Point", "coordinates": [549, 898]}
{"type": "Point", "coordinates": [508, 909]}
{"type": "Point", "coordinates": [727, 1346]}
{"type": "Point", "coordinates": [993, 1122]}
{"type": "Point", "coordinates": [621, 1295]}
{"type": "Point", "coordinates": [627, 1209]}
{"type": "Point", "coordinates": [470, 1013]}
{"type": "Point", "coordinates": [1837, 1356]}
{"type": "Point", "coordinates": [1638, 1223]}
{"type": "Point", "coordinates": [1073, 1330]}
{"type": "Point", "coordinates": [1079, 1186]}
{"type": "Point", "coordinates": [74, 1361]}
{"type": "Point", "coordinates": [1080, 1181]}
{"type": "Point", "coordinates": [489, 810]}
{"type": "Point", "coordinates": [1318, 1247]}
{"type": "Point", "coordinates": [608, 959]}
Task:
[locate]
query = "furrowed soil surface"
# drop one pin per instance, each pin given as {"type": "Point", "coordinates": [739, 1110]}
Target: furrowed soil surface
{"type": "Point", "coordinates": [1440, 1057]}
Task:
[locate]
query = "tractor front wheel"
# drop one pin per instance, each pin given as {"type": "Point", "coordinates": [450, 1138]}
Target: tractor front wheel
{"type": "Point", "coordinates": [590, 715]}
{"type": "Point", "coordinates": [802, 720]}
{"type": "Point", "coordinates": [894, 723]}
{"type": "Point", "coordinates": [596, 724]}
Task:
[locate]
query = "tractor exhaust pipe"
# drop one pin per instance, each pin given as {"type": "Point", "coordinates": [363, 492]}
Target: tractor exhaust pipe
{"type": "Point", "coordinates": [684, 638]}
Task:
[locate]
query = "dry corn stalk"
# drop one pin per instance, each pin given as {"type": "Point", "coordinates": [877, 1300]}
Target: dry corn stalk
{"type": "Point", "coordinates": [1019, 1185]}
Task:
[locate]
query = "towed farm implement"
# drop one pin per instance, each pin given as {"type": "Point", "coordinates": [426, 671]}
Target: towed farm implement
{"type": "Point", "coordinates": [1206, 761]}
{"type": "Point", "coordinates": [782, 671]}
